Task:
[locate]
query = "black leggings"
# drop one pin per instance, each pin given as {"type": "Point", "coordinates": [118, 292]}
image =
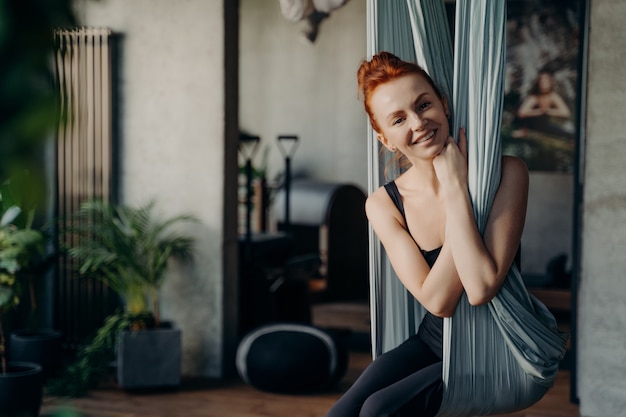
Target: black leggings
{"type": "Point", "coordinates": [405, 381]}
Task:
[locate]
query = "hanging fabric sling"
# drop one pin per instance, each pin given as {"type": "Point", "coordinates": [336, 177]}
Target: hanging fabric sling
{"type": "Point", "coordinates": [502, 356]}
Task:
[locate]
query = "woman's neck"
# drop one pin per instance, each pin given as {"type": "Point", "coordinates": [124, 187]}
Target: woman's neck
{"type": "Point", "coordinates": [421, 177]}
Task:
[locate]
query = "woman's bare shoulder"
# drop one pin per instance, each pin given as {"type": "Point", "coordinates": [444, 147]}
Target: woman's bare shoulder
{"type": "Point", "coordinates": [378, 199]}
{"type": "Point", "coordinates": [379, 205]}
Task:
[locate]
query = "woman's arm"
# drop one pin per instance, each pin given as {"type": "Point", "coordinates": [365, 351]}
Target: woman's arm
{"type": "Point", "coordinates": [557, 107]}
{"type": "Point", "coordinates": [530, 108]}
{"type": "Point", "coordinates": [483, 261]}
{"type": "Point", "coordinates": [437, 289]}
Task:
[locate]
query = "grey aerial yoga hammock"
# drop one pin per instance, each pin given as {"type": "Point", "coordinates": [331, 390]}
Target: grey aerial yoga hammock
{"type": "Point", "coordinates": [502, 356]}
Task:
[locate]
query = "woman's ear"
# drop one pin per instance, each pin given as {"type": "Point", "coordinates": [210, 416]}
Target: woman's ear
{"type": "Point", "coordinates": [382, 139]}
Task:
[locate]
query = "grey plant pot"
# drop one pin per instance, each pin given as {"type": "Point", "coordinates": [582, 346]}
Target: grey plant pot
{"type": "Point", "coordinates": [149, 359]}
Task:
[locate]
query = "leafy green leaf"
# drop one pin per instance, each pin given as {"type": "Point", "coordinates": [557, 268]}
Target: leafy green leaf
{"type": "Point", "coordinates": [127, 248]}
{"type": "Point", "coordinates": [7, 295]}
{"type": "Point", "coordinates": [10, 215]}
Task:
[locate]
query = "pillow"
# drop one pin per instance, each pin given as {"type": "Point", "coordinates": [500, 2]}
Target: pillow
{"type": "Point", "coordinates": [291, 358]}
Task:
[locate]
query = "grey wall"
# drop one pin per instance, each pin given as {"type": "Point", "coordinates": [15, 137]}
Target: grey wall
{"type": "Point", "coordinates": [174, 148]}
{"type": "Point", "coordinates": [549, 222]}
{"type": "Point", "coordinates": [602, 314]}
{"type": "Point", "coordinates": [288, 85]}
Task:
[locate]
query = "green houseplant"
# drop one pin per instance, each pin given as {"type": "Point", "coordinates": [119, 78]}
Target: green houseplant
{"type": "Point", "coordinates": [30, 342]}
{"type": "Point", "coordinates": [128, 249]}
{"type": "Point", "coordinates": [21, 383]}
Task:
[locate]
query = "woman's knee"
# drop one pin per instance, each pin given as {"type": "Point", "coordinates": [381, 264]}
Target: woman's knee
{"type": "Point", "coordinates": [376, 406]}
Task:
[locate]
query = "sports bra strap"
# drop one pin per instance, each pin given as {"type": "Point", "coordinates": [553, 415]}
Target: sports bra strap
{"type": "Point", "coordinates": [392, 190]}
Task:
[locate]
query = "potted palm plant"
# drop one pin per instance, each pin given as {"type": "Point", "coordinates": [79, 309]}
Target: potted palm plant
{"type": "Point", "coordinates": [21, 383]}
{"type": "Point", "coordinates": [129, 249]}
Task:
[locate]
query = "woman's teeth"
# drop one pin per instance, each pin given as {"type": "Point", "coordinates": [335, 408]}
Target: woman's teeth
{"type": "Point", "coordinates": [425, 138]}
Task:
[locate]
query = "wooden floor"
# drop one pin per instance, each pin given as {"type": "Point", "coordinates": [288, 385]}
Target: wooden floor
{"type": "Point", "coordinates": [202, 398]}
{"type": "Point", "coordinates": [235, 399]}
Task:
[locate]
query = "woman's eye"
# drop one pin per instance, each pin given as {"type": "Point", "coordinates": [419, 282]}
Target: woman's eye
{"type": "Point", "coordinates": [423, 106]}
{"type": "Point", "coordinates": [397, 121]}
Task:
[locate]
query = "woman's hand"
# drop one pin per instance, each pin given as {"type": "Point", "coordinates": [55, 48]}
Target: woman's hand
{"type": "Point", "coordinates": [451, 163]}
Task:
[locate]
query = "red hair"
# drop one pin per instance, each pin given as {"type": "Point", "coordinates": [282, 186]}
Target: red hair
{"type": "Point", "coordinates": [382, 68]}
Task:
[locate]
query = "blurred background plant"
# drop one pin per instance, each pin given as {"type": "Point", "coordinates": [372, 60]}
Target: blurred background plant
{"type": "Point", "coordinates": [15, 196]}
{"type": "Point", "coordinates": [18, 246]}
{"type": "Point", "coordinates": [28, 112]}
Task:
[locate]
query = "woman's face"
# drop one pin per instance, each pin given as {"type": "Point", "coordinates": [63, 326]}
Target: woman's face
{"type": "Point", "coordinates": [545, 82]}
{"type": "Point", "coordinates": [411, 117]}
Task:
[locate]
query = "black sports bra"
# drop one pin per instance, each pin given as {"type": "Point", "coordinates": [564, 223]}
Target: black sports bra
{"type": "Point", "coordinates": [392, 190]}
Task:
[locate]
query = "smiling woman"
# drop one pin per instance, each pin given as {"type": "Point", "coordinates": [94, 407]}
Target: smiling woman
{"type": "Point", "coordinates": [456, 217]}
{"type": "Point", "coordinates": [425, 221]}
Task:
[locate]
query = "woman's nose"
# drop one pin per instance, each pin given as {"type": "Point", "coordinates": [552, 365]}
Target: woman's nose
{"type": "Point", "coordinates": [417, 122]}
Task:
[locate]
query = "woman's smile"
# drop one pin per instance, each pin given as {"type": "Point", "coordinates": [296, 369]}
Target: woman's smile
{"type": "Point", "coordinates": [424, 138]}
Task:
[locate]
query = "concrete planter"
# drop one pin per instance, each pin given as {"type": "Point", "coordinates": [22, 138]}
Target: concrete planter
{"type": "Point", "coordinates": [149, 359]}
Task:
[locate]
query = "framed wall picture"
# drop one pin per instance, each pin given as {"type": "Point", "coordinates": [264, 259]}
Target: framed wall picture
{"type": "Point", "coordinates": [541, 83]}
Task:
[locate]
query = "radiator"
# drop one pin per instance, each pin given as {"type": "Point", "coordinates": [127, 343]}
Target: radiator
{"type": "Point", "coordinates": [85, 164]}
